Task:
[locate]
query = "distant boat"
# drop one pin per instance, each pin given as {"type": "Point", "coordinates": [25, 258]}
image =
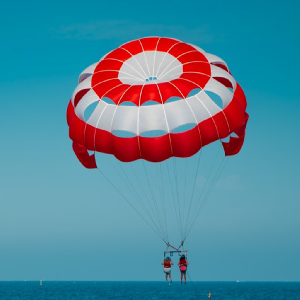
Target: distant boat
{"type": "Point", "coordinates": [41, 282]}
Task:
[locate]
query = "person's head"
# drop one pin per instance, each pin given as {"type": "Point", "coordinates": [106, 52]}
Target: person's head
{"type": "Point", "coordinates": [167, 258]}
{"type": "Point", "coordinates": [182, 257]}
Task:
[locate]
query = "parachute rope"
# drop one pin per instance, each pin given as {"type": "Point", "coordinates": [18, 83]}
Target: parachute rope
{"type": "Point", "coordinates": [134, 192]}
{"type": "Point", "coordinates": [178, 201]}
{"type": "Point", "coordinates": [174, 201]}
{"type": "Point", "coordinates": [162, 198]}
{"type": "Point", "coordinates": [200, 207]}
{"type": "Point", "coordinates": [144, 193]}
{"type": "Point", "coordinates": [202, 191]}
{"type": "Point", "coordinates": [152, 195]}
{"type": "Point", "coordinates": [193, 189]}
{"type": "Point", "coordinates": [184, 190]}
{"type": "Point", "coordinates": [110, 182]}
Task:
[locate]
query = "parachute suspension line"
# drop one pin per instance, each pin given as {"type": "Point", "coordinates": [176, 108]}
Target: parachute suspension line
{"type": "Point", "coordinates": [159, 197]}
{"type": "Point", "coordinates": [157, 188]}
{"type": "Point", "coordinates": [178, 201]}
{"type": "Point", "coordinates": [139, 198]}
{"type": "Point", "coordinates": [192, 194]}
{"type": "Point", "coordinates": [152, 195]}
{"type": "Point", "coordinates": [114, 186]}
{"type": "Point", "coordinates": [163, 197]}
{"type": "Point", "coordinates": [126, 180]}
{"type": "Point", "coordinates": [202, 191]}
{"type": "Point", "coordinates": [206, 197]}
{"type": "Point", "coordinates": [184, 192]}
{"type": "Point", "coordinates": [145, 195]}
{"type": "Point", "coordinates": [198, 210]}
{"type": "Point", "coordinates": [134, 193]}
{"type": "Point", "coordinates": [174, 201]}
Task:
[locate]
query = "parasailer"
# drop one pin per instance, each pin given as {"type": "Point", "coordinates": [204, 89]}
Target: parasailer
{"type": "Point", "coordinates": [167, 263]}
{"type": "Point", "coordinates": [142, 115]}
{"type": "Point", "coordinates": [183, 264]}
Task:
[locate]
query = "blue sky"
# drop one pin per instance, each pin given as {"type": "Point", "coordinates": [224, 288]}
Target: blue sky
{"type": "Point", "coordinates": [59, 221]}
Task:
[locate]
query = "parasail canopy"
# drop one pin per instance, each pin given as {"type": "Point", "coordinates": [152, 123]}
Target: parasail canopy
{"type": "Point", "coordinates": [155, 70]}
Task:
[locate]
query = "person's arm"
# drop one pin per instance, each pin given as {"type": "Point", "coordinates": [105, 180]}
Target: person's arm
{"type": "Point", "coordinates": [162, 263]}
{"type": "Point", "coordinates": [171, 263]}
{"type": "Point", "coordinates": [187, 263]}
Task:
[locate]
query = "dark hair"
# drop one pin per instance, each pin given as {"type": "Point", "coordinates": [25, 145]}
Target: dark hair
{"type": "Point", "coordinates": [182, 257]}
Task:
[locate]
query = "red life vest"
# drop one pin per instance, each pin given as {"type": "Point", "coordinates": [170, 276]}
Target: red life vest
{"type": "Point", "coordinates": [182, 262]}
{"type": "Point", "coordinates": [167, 263]}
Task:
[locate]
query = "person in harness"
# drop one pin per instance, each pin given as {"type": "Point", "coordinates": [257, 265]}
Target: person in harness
{"type": "Point", "coordinates": [183, 263]}
{"type": "Point", "coordinates": [167, 263]}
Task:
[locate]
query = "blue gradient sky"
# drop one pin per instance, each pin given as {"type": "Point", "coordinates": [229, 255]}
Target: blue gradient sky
{"type": "Point", "coordinates": [59, 221]}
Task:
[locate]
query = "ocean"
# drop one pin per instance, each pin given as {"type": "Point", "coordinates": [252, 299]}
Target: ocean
{"type": "Point", "coordinates": [86, 290]}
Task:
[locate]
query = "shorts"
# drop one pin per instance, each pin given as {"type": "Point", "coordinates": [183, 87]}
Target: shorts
{"type": "Point", "coordinates": [167, 270]}
{"type": "Point", "coordinates": [183, 269]}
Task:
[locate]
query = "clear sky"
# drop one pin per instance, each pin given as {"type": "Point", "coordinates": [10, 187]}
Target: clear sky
{"type": "Point", "coordinates": [59, 221]}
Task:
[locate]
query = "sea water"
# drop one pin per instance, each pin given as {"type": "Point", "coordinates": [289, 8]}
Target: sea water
{"type": "Point", "coordinates": [13, 290]}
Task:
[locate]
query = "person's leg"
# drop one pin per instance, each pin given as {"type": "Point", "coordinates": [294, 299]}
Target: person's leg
{"type": "Point", "coordinates": [184, 278]}
{"type": "Point", "coordinates": [181, 276]}
{"type": "Point", "coordinates": [170, 277]}
{"type": "Point", "coordinates": [166, 277]}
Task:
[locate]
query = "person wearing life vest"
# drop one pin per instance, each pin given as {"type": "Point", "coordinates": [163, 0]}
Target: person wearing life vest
{"type": "Point", "coordinates": [183, 263]}
{"type": "Point", "coordinates": [167, 263]}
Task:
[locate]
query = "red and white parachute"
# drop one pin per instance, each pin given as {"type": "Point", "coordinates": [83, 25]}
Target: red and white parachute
{"type": "Point", "coordinates": [153, 99]}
